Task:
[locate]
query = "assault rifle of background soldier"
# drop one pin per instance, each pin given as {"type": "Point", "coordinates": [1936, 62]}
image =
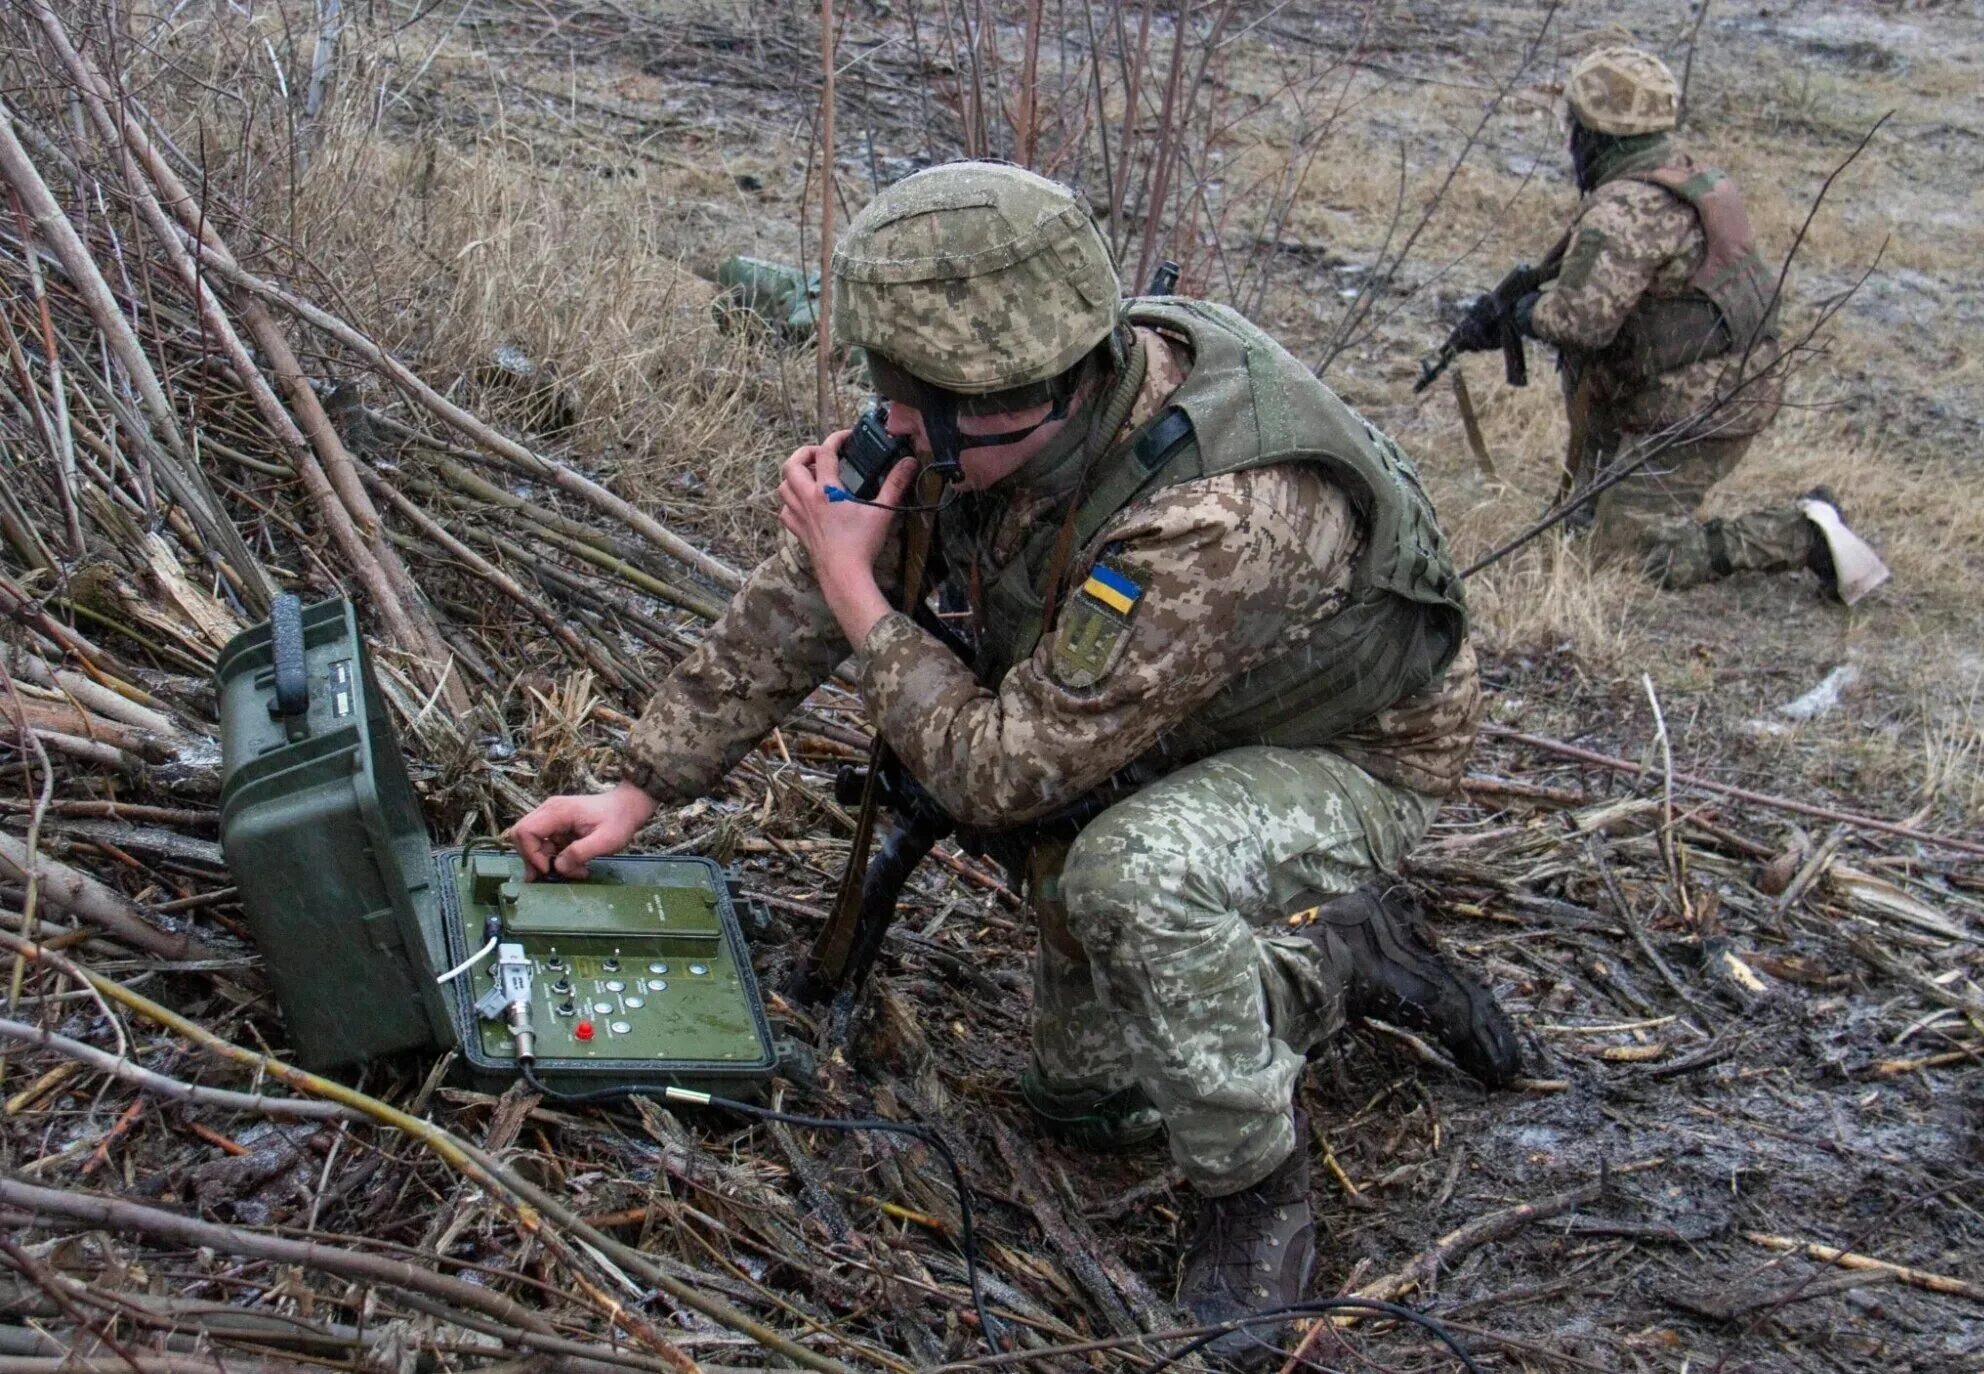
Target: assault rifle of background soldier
{"type": "Point", "coordinates": [1490, 322]}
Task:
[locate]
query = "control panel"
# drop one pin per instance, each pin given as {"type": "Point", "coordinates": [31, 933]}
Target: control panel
{"type": "Point", "coordinates": [639, 970]}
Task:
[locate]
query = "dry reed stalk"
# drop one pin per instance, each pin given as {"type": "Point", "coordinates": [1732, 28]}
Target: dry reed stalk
{"type": "Point", "coordinates": [71, 890]}
{"type": "Point", "coordinates": [585, 652]}
{"type": "Point", "coordinates": [823, 332]}
{"type": "Point", "coordinates": [491, 439]}
{"type": "Point", "coordinates": [353, 521]}
{"type": "Point", "coordinates": [189, 486]}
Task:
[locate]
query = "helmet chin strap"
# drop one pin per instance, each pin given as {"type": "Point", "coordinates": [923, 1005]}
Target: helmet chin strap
{"type": "Point", "coordinates": [947, 443]}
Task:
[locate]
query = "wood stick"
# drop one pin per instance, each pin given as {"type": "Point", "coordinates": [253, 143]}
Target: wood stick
{"type": "Point", "coordinates": [172, 1089]}
{"type": "Point", "coordinates": [77, 893]}
{"type": "Point", "coordinates": [544, 468]}
{"type": "Point", "coordinates": [1426, 1265]}
{"type": "Point", "coordinates": [117, 1214]}
{"type": "Point", "coordinates": [1744, 794]}
{"type": "Point", "coordinates": [585, 652]}
{"type": "Point", "coordinates": [332, 481]}
{"type": "Point", "coordinates": [1847, 1259]}
{"type": "Point", "coordinates": [98, 699]}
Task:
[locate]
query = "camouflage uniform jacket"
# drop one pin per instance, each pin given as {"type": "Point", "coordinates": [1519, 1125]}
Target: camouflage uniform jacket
{"type": "Point", "coordinates": [1232, 570]}
{"type": "Point", "coordinates": [1630, 240]}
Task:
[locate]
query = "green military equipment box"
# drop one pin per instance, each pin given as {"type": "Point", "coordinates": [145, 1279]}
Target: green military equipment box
{"type": "Point", "coordinates": [637, 975]}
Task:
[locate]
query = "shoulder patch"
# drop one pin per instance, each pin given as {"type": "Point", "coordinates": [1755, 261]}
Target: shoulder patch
{"type": "Point", "coordinates": [1093, 626]}
{"type": "Point", "coordinates": [1583, 256]}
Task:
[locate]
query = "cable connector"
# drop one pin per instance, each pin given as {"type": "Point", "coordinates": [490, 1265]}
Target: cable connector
{"type": "Point", "coordinates": [508, 998]}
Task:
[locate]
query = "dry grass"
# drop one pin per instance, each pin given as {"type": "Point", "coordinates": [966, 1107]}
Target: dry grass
{"type": "Point", "coordinates": [468, 248]}
{"type": "Point", "coordinates": [474, 212]}
{"type": "Point", "coordinates": [1551, 598]}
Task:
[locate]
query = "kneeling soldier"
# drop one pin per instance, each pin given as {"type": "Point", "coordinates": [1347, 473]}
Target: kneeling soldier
{"type": "Point", "coordinates": [1205, 597]}
{"type": "Point", "coordinates": [1665, 318]}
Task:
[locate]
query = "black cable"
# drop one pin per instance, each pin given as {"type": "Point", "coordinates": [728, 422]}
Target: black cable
{"type": "Point", "coordinates": [1318, 1307]}
{"type": "Point", "coordinates": [967, 1235]}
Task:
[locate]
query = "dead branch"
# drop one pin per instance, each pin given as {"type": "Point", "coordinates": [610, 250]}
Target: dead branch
{"type": "Point", "coordinates": [1847, 1259]}
{"type": "Point", "coordinates": [171, 1088]}
{"type": "Point", "coordinates": [1426, 1266]}
{"type": "Point", "coordinates": [1743, 794]}
{"type": "Point", "coordinates": [77, 893]}
{"type": "Point", "coordinates": [189, 485]}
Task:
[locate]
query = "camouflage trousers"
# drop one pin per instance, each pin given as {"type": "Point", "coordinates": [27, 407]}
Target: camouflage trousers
{"type": "Point", "coordinates": [1653, 518]}
{"type": "Point", "coordinates": [1162, 958]}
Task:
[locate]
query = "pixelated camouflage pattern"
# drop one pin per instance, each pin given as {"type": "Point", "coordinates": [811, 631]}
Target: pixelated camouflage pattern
{"type": "Point", "coordinates": [1682, 553]}
{"type": "Point", "coordinates": [1623, 92]}
{"type": "Point", "coordinates": [975, 277]}
{"type": "Point", "coordinates": [1653, 519]}
{"type": "Point", "coordinates": [1151, 965]}
{"type": "Point", "coordinates": [1162, 958]}
{"type": "Point", "coordinates": [775, 643]}
{"type": "Point", "coordinates": [1215, 558]}
{"type": "Point", "coordinates": [1633, 243]}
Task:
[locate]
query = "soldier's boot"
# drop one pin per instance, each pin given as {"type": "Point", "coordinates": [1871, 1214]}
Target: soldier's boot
{"type": "Point", "coordinates": [1090, 1119]}
{"type": "Point", "coordinates": [1252, 1251]}
{"type": "Point", "coordinates": [1845, 566]}
{"type": "Point", "coordinates": [1383, 950]}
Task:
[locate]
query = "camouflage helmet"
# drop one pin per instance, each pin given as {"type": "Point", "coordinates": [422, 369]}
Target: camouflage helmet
{"type": "Point", "coordinates": [975, 277]}
{"type": "Point", "coordinates": [1622, 92]}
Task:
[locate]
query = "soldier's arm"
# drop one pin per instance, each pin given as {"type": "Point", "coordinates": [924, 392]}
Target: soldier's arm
{"type": "Point", "coordinates": [1623, 237]}
{"type": "Point", "coordinates": [774, 645]}
{"type": "Point", "coordinates": [1192, 588]}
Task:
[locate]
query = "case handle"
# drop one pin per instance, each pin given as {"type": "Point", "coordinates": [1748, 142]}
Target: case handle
{"type": "Point", "coordinates": [292, 698]}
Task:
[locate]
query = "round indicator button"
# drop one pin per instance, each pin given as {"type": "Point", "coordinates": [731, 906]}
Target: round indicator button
{"type": "Point", "coordinates": [657, 968]}
{"type": "Point", "coordinates": [657, 985]}
{"type": "Point", "coordinates": [635, 1004]}
{"type": "Point", "coordinates": [699, 969]}
{"type": "Point", "coordinates": [602, 1007]}
{"type": "Point", "coordinates": [621, 1027]}
{"type": "Point", "coordinates": [615, 985]}
{"type": "Point", "coordinates": [582, 1031]}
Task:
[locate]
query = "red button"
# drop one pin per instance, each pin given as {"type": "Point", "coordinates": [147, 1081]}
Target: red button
{"type": "Point", "coordinates": [583, 1030]}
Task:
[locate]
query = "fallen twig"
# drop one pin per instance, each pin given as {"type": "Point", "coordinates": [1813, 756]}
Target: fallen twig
{"type": "Point", "coordinates": [1425, 1267]}
{"type": "Point", "coordinates": [1847, 1259]}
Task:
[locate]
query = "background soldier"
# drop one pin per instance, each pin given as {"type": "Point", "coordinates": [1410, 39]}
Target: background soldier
{"type": "Point", "coordinates": [1201, 587]}
{"type": "Point", "coordinates": [1665, 318]}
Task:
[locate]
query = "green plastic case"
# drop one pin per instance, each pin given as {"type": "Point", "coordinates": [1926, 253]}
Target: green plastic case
{"type": "Point", "coordinates": [639, 974]}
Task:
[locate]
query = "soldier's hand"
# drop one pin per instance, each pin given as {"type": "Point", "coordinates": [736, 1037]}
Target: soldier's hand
{"type": "Point", "coordinates": [842, 537]}
{"type": "Point", "coordinates": [566, 833]}
{"type": "Point", "coordinates": [1479, 329]}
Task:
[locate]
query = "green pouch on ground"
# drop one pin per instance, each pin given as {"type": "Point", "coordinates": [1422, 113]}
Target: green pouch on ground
{"type": "Point", "coordinates": [785, 297]}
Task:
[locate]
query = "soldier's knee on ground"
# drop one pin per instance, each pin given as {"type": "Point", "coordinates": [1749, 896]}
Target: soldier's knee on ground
{"type": "Point", "coordinates": [1777, 539]}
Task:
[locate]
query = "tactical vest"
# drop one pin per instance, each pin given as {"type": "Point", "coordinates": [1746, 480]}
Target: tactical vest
{"type": "Point", "coordinates": [1248, 403]}
{"type": "Point", "coordinates": [1730, 302]}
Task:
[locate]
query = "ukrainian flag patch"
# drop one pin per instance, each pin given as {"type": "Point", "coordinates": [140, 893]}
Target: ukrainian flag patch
{"type": "Point", "coordinates": [1094, 627]}
{"type": "Point", "coordinates": [1112, 588]}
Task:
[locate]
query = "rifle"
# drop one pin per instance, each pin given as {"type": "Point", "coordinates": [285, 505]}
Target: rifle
{"type": "Point", "coordinates": [1492, 316]}
{"type": "Point", "coordinates": [848, 948]}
